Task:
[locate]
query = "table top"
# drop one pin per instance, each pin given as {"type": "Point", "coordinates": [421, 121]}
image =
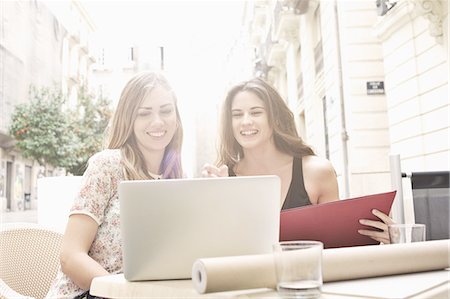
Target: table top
{"type": "Point", "coordinates": [433, 284]}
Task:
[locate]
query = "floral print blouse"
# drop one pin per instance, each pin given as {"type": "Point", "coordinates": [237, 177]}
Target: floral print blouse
{"type": "Point", "coordinates": [98, 199]}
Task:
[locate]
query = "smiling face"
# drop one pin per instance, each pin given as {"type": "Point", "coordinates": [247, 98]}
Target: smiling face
{"type": "Point", "coordinates": [156, 121]}
{"type": "Point", "coordinates": [250, 121]}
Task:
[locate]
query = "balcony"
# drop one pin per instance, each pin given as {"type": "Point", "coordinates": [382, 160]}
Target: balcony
{"type": "Point", "coordinates": [73, 79]}
{"type": "Point", "coordinates": [261, 69]}
{"type": "Point", "coordinates": [277, 55]}
{"type": "Point", "coordinates": [6, 140]}
{"type": "Point", "coordinates": [84, 46]}
{"type": "Point", "coordinates": [74, 38]}
{"type": "Point", "coordinates": [298, 6]}
{"type": "Point", "coordinates": [286, 20]}
{"type": "Point", "coordinates": [91, 59]}
{"type": "Point", "coordinates": [258, 25]}
{"type": "Point", "coordinates": [257, 36]}
{"type": "Point", "coordinates": [273, 52]}
{"type": "Point", "coordinates": [73, 32]}
{"type": "Point", "coordinates": [259, 15]}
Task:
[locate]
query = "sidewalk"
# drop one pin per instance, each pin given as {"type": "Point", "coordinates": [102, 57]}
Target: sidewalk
{"type": "Point", "coordinates": [21, 216]}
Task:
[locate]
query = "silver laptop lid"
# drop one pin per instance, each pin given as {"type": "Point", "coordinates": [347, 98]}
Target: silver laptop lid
{"type": "Point", "coordinates": [167, 224]}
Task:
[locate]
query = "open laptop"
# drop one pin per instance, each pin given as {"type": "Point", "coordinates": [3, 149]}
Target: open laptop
{"type": "Point", "coordinates": [167, 224]}
{"type": "Point", "coordinates": [336, 223]}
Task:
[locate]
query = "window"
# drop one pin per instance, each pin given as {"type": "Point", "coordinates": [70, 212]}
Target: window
{"type": "Point", "coordinates": [131, 54]}
{"type": "Point", "coordinates": [325, 128]}
{"type": "Point", "coordinates": [298, 58]}
{"type": "Point", "coordinates": [318, 49]}
{"type": "Point", "coordinates": [101, 57]}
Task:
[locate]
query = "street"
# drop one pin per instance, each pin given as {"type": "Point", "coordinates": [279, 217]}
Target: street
{"type": "Point", "coordinates": [20, 216]}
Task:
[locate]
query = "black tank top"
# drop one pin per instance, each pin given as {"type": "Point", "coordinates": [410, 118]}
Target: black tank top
{"type": "Point", "coordinates": [297, 195]}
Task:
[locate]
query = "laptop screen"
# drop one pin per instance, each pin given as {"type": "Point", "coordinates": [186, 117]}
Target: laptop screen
{"type": "Point", "coordinates": [167, 224]}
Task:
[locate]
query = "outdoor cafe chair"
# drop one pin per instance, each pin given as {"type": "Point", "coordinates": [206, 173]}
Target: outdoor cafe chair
{"type": "Point", "coordinates": [29, 259]}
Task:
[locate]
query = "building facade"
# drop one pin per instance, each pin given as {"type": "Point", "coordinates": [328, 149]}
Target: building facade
{"type": "Point", "coordinates": [363, 84]}
{"type": "Point", "coordinates": [40, 46]}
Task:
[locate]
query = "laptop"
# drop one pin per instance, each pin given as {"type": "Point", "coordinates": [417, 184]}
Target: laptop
{"type": "Point", "coordinates": [335, 223]}
{"type": "Point", "coordinates": [167, 224]}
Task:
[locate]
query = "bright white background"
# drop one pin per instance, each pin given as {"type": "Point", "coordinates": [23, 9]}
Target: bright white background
{"type": "Point", "coordinates": [197, 37]}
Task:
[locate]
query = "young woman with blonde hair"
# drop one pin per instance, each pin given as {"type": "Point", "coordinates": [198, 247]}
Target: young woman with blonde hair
{"type": "Point", "coordinates": [144, 143]}
{"type": "Point", "coordinates": [259, 137]}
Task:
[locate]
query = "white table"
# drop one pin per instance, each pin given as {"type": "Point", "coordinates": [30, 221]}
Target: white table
{"type": "Point", "coordinates": [434, 284]}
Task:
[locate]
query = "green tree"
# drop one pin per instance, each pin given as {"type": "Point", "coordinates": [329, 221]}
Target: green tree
{"type": "Point", "coordinates": [50, 134]}
{"type": "Point", "coordinates": [42, 129]}
{"type": "Point", "coordinates": [89, 121]}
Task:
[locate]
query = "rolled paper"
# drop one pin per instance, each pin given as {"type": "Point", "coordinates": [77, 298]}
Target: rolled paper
{"type": "Point", "coordinates": [381, 260]}
{"type": "Point", "coordinates": [258, 271]}
{"type": "Point", "coordinates": [233, 273]}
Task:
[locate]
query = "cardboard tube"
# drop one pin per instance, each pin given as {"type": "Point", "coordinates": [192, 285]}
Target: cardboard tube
{"type": "Point", "coordinates": [258, 271]}
{"type": "Point", "coordinates": [234, 273]}
{"type": "Point", "coordinates": [380, 260]}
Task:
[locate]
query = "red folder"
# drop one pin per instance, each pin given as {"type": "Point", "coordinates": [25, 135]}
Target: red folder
{"type": "Point", "coordinates": [335, 223]}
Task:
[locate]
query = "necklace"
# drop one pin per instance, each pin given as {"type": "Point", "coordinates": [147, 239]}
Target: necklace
{"type": "Point", "coordinates": [155, 176]}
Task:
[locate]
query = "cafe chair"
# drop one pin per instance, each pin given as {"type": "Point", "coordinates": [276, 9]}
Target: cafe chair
{"type": "Point", "coordinates": [29, 259]}
{"type": "Point", "coordinates": [427, 199]}
{"type": "Point", "coordinates": [431, 197]}
{"type": "Point", "coordinates": [53, 209]}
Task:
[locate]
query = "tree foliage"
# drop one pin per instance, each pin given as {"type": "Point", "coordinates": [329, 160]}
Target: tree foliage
{"type": "Point", "coordinates": [42, 130]}
{"type": "Point", "coordinates": [50, 134]}
{"type": "Point", "coordinates": [89, 121]}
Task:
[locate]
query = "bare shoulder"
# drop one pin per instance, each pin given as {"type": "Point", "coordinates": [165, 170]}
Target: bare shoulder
{"type": "Point", "coordinates": [318, 166]}
{"type": "Point", "coordinates": [320, 179]}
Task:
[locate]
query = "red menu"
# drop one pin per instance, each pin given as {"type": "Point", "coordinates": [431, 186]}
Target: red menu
{"type": "Point", "coordinates": [336, 223]}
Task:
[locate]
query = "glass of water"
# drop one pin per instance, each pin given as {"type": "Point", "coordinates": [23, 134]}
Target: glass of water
{"type": "Point", "coordinates": [298, 266]}
{"type": "Point", "coordinates": [407, 233]}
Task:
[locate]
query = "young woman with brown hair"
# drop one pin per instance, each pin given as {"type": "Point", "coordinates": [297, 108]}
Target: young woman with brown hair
{"type": "Point", "coordinates": [259, 137]}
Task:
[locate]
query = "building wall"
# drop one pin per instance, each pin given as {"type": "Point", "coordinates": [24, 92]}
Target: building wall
{"type": "Point", "coordinates": [35, 49]}
{"type": "Point", "coordinates": [313, 82]}
{"type": "Point", "coordinates": [365, 114]}
{"type": "Point", "coordinates": [30, 48]}
{"type": "Point", "coordinates": [416, 67]}
{"type": "Point", "coordinates": [77, 54]}
{"type": "Point", "coordinates": [334, 97]}
{"type": "Point", "coordinates": [343, 123]}
{"type": "Point", "coordinates": [358, 131]}
{"type": "Point", "coordinates": [31, 39]}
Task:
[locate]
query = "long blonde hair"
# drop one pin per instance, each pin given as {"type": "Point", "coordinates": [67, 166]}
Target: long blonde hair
{"type": "Point", "coordinates": [281, 119]}
{"type": "Point", "coordinates": [121, 135]}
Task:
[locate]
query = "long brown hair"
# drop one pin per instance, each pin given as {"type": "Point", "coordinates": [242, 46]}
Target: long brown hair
{"type": "Point", "coordinates": [280, 117]}
{"type": "Point", "coordinates": [121, 134]}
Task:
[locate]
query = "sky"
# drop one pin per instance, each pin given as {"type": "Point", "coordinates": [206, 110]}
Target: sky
{"type": "Point", "coordinates": [196, 35]}
{"type": "Point", "coordinates": [165, 20]}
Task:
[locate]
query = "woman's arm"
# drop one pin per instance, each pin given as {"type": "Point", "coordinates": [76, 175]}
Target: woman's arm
{"type": "Point", "coordinates": [320, 180]}
{"type": "Point", "coordinates": [75, 261]}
